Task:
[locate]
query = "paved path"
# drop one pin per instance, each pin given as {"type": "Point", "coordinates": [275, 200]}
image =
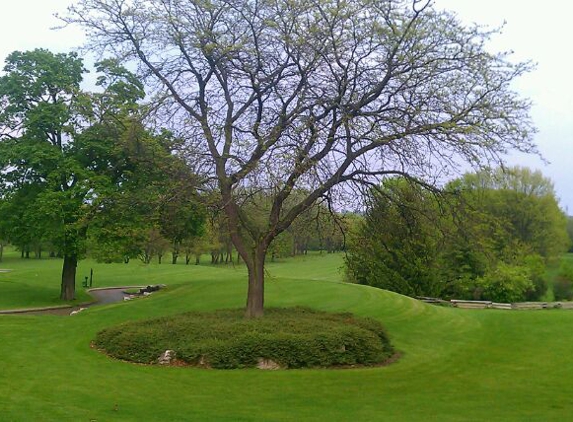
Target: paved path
{"type": "Point", "coordinates": [102, 296]}
{"type": "Point", "coordinates": [110, 295]}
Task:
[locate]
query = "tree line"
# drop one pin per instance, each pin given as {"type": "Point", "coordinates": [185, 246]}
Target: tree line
{"type": "Point", "coordinates": [80, 168]}
{"type": "Point", "coordinates": [486, 235]}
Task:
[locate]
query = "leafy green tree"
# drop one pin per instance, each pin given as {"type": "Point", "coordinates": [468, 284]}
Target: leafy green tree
{"type": "Point", "coordinates": [3, 231]}
{"type": "Point", "coordinates": [485, 228]}
{"type": "Point", "coordinates": [17, 220]}
{"type": "Point", "coordinates": [71, 159]}
{"type": "Point", "coordinates": [515, 220]}
{"type": "Point", "coordinates": [317, 228]}
{"type": "Point", "coordinates": [505, 283]}
{"type": "Point", "coordinates": [281, 246]}
{"type": "Point", "coordinates": [523, 205]}
{"type": "Point", "coordinates": [303, 96]}
{"type": "Point", "coordinates": [398, 245]}
{"type": "Point", "coordinates": [150, 200]}
{"type": "Point", "coordinates": [38, 92]}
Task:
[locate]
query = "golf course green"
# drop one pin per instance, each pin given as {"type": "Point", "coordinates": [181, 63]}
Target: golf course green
{"type": "Point", "coordinates": [454, 365]}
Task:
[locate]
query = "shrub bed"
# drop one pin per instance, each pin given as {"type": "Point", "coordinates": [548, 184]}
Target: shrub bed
{"type": "Point", "coordinates": [291, 338]}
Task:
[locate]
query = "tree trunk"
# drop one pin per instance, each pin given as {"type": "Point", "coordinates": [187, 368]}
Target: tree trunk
{"type": "Point", "coordinates": [1, 251]}
{"type": "Point", "coordinates": [174, 258]}
{"type": "Point", "coordinates": [68, 291]}
{"type": "Point", "coordinates": [256, 290]}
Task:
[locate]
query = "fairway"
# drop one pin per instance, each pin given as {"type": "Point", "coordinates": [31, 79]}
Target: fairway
{"type": "Point", "coordinates": [456, 365]}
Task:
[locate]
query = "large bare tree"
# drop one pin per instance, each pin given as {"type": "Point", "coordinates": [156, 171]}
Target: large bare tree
{"type": "Point", "coordinates": [298, 96]}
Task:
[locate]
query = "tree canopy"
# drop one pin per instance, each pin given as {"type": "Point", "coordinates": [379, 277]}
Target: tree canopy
{"type": "Point", "coordinates": [488, 235]}
{"type": "Point", "coordinates": [309, 95]}
{"type": "Point", "coordinates": [69, 157]}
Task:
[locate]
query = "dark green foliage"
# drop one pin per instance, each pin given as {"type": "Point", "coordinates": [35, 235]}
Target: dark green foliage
{"type": "Point", "coordinates": [489, 235]}
{"type": "Point", "coordinates": [563, 284]}
{"type": "Point", "coordinates": [570, 232]}
{"type": "Point", "coordinates": [293, 338]}
{"type": "Point", "coordinates": [536, 273]}
{"type": "Point", "coordinates": [398, 245]}
{"type": "Point", "coordinates": [518, 211]}
{"type": "Point", "coordinates": [78, 166]}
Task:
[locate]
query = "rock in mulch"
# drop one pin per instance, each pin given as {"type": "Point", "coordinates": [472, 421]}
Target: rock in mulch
{"type": "Point", "coordinates": [166, 357]}
{"type": "Point", "coordinates": [268, 364]}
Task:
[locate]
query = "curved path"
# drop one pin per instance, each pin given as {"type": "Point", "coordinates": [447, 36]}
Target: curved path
{"type": "Point", "coordinates": [102, 296]}
{"type": "Point", "coordinates": [107, 295]}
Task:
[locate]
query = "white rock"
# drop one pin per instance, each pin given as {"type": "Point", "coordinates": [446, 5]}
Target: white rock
{"type": "Point", "coordinates": [268, 364]}
{"type": "Point", "coordinates": [166, 357]}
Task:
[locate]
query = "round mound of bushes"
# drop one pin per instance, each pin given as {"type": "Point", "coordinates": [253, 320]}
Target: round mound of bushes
{"type": "Point", "coordinates": [285, 338]}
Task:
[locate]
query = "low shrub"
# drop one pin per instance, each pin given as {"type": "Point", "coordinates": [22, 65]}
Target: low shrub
{"type": "Point", "coordinates": [537, 274]}
{"type": "Point", "coordinates": [506, 283]}
{"type": "Point", "coordinates": [563, 284]}
{"type": "Point", "coordinates": [292, 338]}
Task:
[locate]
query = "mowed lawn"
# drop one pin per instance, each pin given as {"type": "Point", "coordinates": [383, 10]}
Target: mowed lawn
{"type": "Point", "coordinates": [456, 365]}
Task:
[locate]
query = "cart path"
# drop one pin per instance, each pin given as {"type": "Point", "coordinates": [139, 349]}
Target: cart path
{"type": "Point", "coordinates": [102, 296]}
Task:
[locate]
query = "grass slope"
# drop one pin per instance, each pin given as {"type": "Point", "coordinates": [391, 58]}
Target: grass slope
{"type": "Point", "coordinates": [457, 365]}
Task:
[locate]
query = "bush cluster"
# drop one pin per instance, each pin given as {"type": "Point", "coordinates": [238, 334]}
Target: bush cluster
{"type": "Point", "coordinates": [293, 338]}
{"type": "Point", "coordinates": [563, 285]}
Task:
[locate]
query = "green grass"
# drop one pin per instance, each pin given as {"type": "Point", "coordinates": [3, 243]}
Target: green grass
{"type": "Point", "coordinates": [456, 365]}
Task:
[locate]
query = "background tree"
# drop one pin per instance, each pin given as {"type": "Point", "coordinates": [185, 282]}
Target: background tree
{"type": "Point", "coordinates": [570, 232]}
{"type": "Point", "coordinates": [38, 92]}
{"type": "Point", "coordinates": [306, 95]}
{"type": "Point", "coordinates": [3, 229]}
{"type": "Point", "coordinates": [488, 235]}
{"type": "Point", "coordinates": [69, 157]}
{"type": "Point", "coordinates": [398, 246]}
{"type": "Point", "coordinates": [18, 220]}
{"type": "Point", "coordinates": [525, 206]}
{"type": "Point", "coordinates": [150, 203]}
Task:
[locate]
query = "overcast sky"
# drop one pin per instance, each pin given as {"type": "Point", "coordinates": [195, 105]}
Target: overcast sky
{"type": "Point", "coordinates": [537, 31]}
